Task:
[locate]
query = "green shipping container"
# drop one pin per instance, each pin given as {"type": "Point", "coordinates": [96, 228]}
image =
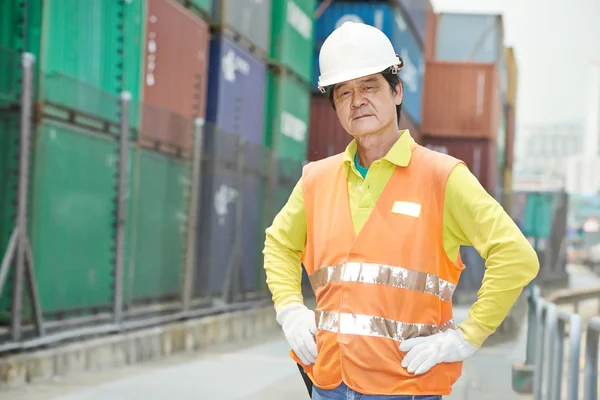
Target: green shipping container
{"type": "Point", "coordinates": [71, 218]}
{"type": "Point", "coordinates": [158, 218]}
{"type": "Point", "coordinates": [205, 6]}
{"type": "Point", "coordinates": [287, 115]}
{"type": "Point", "coordinates": [133, 55]}
{"type": "Point", "coordinates": [292, 40]}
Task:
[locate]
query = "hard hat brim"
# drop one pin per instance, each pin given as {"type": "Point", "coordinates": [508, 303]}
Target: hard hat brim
{"type": "Point", "coordinates": [326, 81]}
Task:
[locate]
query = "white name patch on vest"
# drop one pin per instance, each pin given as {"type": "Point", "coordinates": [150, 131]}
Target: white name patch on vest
{"type": "Point", "coordinates": [406, 208]}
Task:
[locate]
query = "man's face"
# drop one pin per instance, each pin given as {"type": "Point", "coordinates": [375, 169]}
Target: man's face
{"type": "Point", "coordinates": [366, 105]}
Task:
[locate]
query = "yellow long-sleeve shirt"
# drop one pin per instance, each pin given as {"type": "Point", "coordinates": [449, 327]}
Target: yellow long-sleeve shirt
{"type": "Point", "coordinates": [471, 218]}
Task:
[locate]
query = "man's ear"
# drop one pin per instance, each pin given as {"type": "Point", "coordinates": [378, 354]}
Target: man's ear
{"type": "Point", "coordinates": [399, 96]}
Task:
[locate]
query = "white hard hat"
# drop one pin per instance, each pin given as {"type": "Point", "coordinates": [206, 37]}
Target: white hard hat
{"type": "Point", "coordinates": [354, 50]}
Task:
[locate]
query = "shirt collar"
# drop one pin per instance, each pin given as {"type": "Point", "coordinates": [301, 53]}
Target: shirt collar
{"type": "Point", "coordinates": [398, 155]}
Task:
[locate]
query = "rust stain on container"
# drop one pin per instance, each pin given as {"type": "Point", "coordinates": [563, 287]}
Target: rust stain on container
{"type": "Point", "coordinates": [461, 99]}
{"type": "Point", "coordinates": [327, 136]}
{"type": "Point", "coordinates": [176, 59]}
{"type": "Point", "coordinates": [480, 155]}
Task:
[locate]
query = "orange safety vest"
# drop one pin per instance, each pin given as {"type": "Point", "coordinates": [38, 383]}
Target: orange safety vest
{"type": "Point", "coordinates": [392, 281]}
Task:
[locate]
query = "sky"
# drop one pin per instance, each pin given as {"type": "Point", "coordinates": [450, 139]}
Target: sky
{"type": "Point", "coordinates": [555, 43]}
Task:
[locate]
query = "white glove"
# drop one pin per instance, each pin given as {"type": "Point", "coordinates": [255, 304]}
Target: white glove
{"type": "Point", "coordinates": [426, 352]}
{"type": "Point", "coordinates": [300, 328]}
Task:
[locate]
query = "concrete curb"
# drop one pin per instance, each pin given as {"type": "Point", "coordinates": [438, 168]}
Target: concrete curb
{"type": "Point", "coordinates": [135, 347]}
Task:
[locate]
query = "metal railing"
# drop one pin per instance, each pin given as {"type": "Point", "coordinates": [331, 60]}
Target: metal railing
{"type": "Point", "coordinates": [550, 332]}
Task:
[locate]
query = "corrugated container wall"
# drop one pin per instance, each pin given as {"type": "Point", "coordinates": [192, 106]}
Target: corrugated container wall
{"type": "Point", "coordinates": [174, 74]}
{"type": "Point", "coordinates": [326, 136]}
{"type": "Point", "coordinates": [480, 155]}
{"type": "Point", "coordinates": [133, 54]}
{"type": "Point", "coordinates": [287, 115]}
{"type": "Point", "coordinates": [461, 100]}
{"type": "Point", "coordinates": [513, 77]}
{"type": "Point", "coordinates": [72, 216]}
{"type": "Point", "coordinates": [292, 35]}
{"type": "Point", "coordinates": [250, 19]}
{"type": "Point", "coordinates": [80, 55]}
{"type": "Point", "coordinates": [157, 232]}
{"type": "Point", "coordinates": [391, 22]}
{"type": "Point", "coordinates": [236, 90]}
{"type": "Point", "coordinates": [430, 34]}
{"type": "Point", "coordinates": [469, 37]}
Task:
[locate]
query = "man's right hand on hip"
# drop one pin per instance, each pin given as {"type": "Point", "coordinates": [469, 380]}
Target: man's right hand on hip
{"type": "Point", "coordinates": [299, 327]}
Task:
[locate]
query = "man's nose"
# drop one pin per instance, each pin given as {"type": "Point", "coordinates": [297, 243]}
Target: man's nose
{"type": "Point", "coordinates": [358, 100]}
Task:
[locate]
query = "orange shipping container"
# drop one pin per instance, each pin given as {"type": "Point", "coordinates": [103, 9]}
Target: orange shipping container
{"type": "Point", "coordinates": [461, 100]}
{"type": "Point", "coordinates": [480, 155]}
{"type": "Point", "coordinates": [175, 74]}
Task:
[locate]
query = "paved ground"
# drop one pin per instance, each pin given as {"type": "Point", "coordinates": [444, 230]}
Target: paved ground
{"type": "Point", "coordinates": [261, 370]}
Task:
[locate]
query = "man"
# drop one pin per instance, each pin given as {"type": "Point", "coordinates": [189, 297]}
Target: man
{"type": "Point", "coordinates": [378, 229]}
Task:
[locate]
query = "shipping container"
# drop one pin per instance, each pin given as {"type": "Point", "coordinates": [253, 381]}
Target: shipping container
{"type": "Point", "coordinates": [510, 137]}
{"type": "Point", "coordinates": [80, 56]}
{"type": "Point", "coordinates": [513, 77]}
{"type": "Point", "coordinates": [220, 195]}
{"type": "Point", "coordinates": [430, 33]}
{"type": "Point", "coordinates": [507, 191]}
{"type": "Point", "coordinates": [157, 217]}
{"type": "Point", "coordinates": [326, 135]}
{"type": "Point", "coordinates": [175, 74]}
{"type": "Point", "coordinates": [250, 19]}
{"type": "Point", "coordinates": [388, 19]}
{"type": "Point", "coordinates": [480, 155]}
{"type": "Point", "coordinates": [72, 216]}
{"type": "Point", "coordinates": [417, 11]}
{"type": "Point", "coordinates": [236, 90]}
{"type": "Point", "coordinates": [20, 25]}
{"type": "Point", "coordinates": [461, 100]}
{"type": "Point", "coordinates": [133, 55]}
{"type": "Point", "coordinates": [292, 35]}
{"type": "Point", "coordinates": [287, 115]}
{"type": "Point", "coordinates": [470, 37]}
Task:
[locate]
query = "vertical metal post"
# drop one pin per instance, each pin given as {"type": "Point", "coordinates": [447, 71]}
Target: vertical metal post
{"type": "Point", "coordinates": [557, 349]}
{"type": "Point", "coordinates": [575, 332]}
{"type": "Point", "coordinates": [590, 391]}
{"type": "Point", "coordinates": [121, 208]}
{"type": "Point", "coordinates": [538, 372]}
{"type": "Point", "coordinates": [190, 261]}
{"type": "Point", "coordinates": [26, 99]}
{"type": "Point", "coordinates": [551, 328]}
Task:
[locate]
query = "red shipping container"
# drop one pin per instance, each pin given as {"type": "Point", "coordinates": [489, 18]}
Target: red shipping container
{"type": "Point", "coordinates": [175, 72]}
{"type": "Point", "coordinates": [430, 33]}
{"type": "Point", "coordinates": [510, 137]}
{"type": "Point", "coordinates": [461, 100]}
{"type": "Point", "coordinates": [480, 155]}
{"type": "Point", "coordinates": [327, 136]}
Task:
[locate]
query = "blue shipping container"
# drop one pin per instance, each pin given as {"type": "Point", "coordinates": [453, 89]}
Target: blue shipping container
{"type": "Point", "coordinates": [417, 12]}
{"type": "Point", "coordinates": [236, 90]}
{"type": "Point", "coordinates": [217, 216]}
{"type": "Point", "coordinates": [389, 20]}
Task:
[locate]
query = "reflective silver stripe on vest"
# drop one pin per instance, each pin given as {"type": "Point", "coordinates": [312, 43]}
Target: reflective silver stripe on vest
{"type": "Point", "coordinates": [366, 325]}
{"type": "Point", "coordinates": [382, 274]}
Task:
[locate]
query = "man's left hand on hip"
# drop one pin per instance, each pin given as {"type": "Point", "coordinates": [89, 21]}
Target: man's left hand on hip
{"type": "Point", "coordinates": [426, 352]}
